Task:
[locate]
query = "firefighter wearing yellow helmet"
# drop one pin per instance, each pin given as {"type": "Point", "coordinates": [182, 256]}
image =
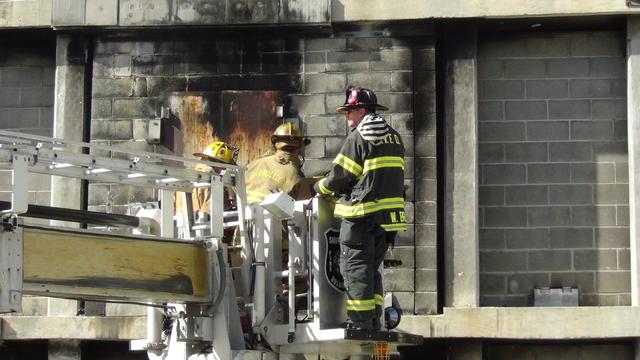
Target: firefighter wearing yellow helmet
{"type": "Point", "coordinates": [280, 171]}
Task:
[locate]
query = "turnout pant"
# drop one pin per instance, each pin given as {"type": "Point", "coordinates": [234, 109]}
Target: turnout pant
{"type": "Point", "coordinates": [363, 244]}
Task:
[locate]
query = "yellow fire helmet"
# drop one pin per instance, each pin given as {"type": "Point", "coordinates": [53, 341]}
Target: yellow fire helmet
{"type": "Point", "coordinates": [288, 132]}
{"type": "Point", "coordinates": [220, 152]}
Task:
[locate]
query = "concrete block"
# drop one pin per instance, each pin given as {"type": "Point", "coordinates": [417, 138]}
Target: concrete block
{"type": "Point", "coordinates": [377, 81]}
{"type": "Point", "coordinates": [571, 237]}
{"type": "Point", "coordinates": [316, 167]}
{"type": "Point", "coordinates": [613, 282]}
{"type": "Point", "coordinates": [68, 13]}
{"type": "Point", "coordinates": [144, 12]}
{"type": "Point", "coordinates": [19, 118]}
{"type": "Point", "coordinates": [525, 110]}
{"type": "Point", "coordinates": [547, 89]}
{"type": "Point", "coordinates": [527, 195]}
{"type": "Point", "coordinates": [160, 85]}
{"type": "Point", "coordinates": [491, 239]}
{"type": "Point", "coordinates": [550, 260]}
{"type": "Point", "coordinates": [425, 212]}
{"type": "Point", "coordinates": [548, 173]}
{"type": "Point", "coordinates": [101, 12]}
{"type": "Point", "coordinates": [622, 215]}
{"type": "Point", "coordinates": [593, 215]}
{"type": "Point", "coordinates": [309, 104]}
{"type": "Point", "coordinates": [597, 88]}
{"type": "Point", "coordinates": [325, 125]}
{"type": "Point", "coordinates": [398, 280]}
{"type": "Point", "coordinates": [315, 62]}
{"type": "Point", "coordinates": [525, 283]}
{"type": "Point", "coordinates": [282, 63]}
{"type": "Point", "coordinates": [490, 110]}
{"type": "Point", "coordinates": [491, 195]}
{"type": "Point", "coordinates": [424, 123]}
{"type": "Point", "coordinates": [547, 46]}
{"type": "Point", "coordinates": [9, 97]}
{"type": "Point", "coordinates": [606, 351]}
{"type": "Point", "coordinates": [549, 216]}
{"type": "Point", "coordinates": [391, 60]}
{"type": "Point", "coordinates": [526, 152]}
{"type": "Point", "coordinates": [316, 149]}
{"type": "Point", "coordinates": [501, 131]}
{"type": "Point", "coordinates": [100, 108]}
{"type": "Point", "coordinates": [348, 61]}
{"type": "Point", "coordinates": [502, 89]}
{"type": "Point", "coordinates": [425, 168]}
{"type": "Point", "coordinates": [425, 103]}
{"type": "Point", "coordinates": [569, 109]}
{"type": "Point", "coordinates": [567, 68]}
{"type": "Point", "coordinates": [592, 46]}
{"type": "Point", "coordinates": [111, 130]}
{"type": "Point", "coordinates": [491, 153]}
{"type": "Point", "coordinates": [611, 194]}
{"type": "Point", "coordinates": [527, 238]}
{"type": "Point", "coordinates": [332, 146]}
{"type": "Point", "coordinates": [524, 69]}
{"type": "Point", "coordinates": [624, 259]}
{"type": "Point", "coordinates": [36, 96]}
{"type": "Point", "coordinates": [608, 109]}
{"type": "Point", "coordinates": [406, 238]}
{"type": "Point", "coordinates": [323, 44]}
{"type": "Point", "coordinates": [508, 46]}
{"type": "Point", "coordinates": [595, 259]}
{"type": "Point", "coordinates": [620, 130]}
{"type": "Point", "coordinates": [397, 102]}
{"type": "Point", "coordinates": [324, 83]}
{"type": "Point", "coordinates": [569, 151]}
{"type": "Point", "coordinates": [425, 235]}
{"type": "Point", "coordinates": [505, 216]}
{"type": "Point", "coordinates": [404, 254]}
{"type": "Point", "coordinates": [492, 284]}
{"type": "Point", "coordinates": [426, 303]}
{"type": "Point", "coordinates": [547, 130]}
{"type": "Point", "coordinates": [21, 76]}
{"type": "Point", "coordinates": [139, 87]}
{"type": "Point", "coordinates": [426, 190]}
{"type": "Point", "coordinates": [504, 174]}
{"type": "Point", "coordinates": [424, 145]}
{"type": "Point", "coordinates": [570, 194]}
{"type": "Point", "coordinates": [500, 261]}
{"type": "Point", "coordinates": [107, 88]}
{"type": "Point", "coordinates": [609, 67]}
{"type": "Point", "coordinates": [612, 237]}
{"type": "Point", "coordinates": [424, 59]}
{"type": "Point", "coordinates": [585, 281]}
{"type": "Point", "coordinates": [591, 130]}
{"type": "Point", "coordinates": [134, 108]}
{"type": "Point", "coordinates": [610, 151]}
{"type": "Point", "coordinates": [406, 301]}
{"type": "Point", "coordinates": [403, 80]}
{"type": "Point", "coordinates": [490, 69]}
{"type": "Point", "coordinates": [593, 173]}
{"type": "Point", "coordinates": [426, 257]}
{"type": "Point", "coordinates": [599, 300]}
{"type": "Point", "coordinates": [402, 123]}
{"type": "Point", "coordinates": [426, 280]}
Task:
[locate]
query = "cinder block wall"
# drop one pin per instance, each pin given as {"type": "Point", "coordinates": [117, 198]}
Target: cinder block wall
{"type": "Point", "coordinates": [553, 156]}
{"type": "Point", "coordinates": [131, 76]}
{"type": "Point", "coordinates": [27, 72]}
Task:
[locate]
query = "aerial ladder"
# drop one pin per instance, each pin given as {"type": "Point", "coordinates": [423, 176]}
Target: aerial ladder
{"type": "Point", "coordinates": [200, 304]}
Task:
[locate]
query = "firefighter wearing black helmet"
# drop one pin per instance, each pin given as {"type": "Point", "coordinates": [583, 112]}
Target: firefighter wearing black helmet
{"type": "Point", "coordinates": [367, 177]}
{"type": "Point", "coordinates": [280, 171]}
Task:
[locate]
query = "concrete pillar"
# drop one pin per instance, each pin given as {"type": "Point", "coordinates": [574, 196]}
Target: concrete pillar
{"type": "Point", "coordinates": [633, 131]}
{"type": "Point", "coordinates": [461, 261]}
{"type": "Point", "coordinates": [64, 350]}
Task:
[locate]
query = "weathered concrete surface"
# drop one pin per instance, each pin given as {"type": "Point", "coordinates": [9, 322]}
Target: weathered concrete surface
{"type": "Point", "coordinates": [550, 323]}
{"type": "Point", "coordinates": [74, 327]}
{"type": "Point", "coordinates": [26, 13]}
{"type": "Point", "coordinates": [633, 133]}
{"type": "Point", "coordinates": [461, 159]}
{"type": "Point", "coordinates": [353, 10]}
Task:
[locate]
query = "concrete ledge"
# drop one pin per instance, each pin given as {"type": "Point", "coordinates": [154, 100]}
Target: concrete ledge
{"type": "Point", "coordinates": [74, 327]}
{"type": "Point", "coordinates": [528, 323]}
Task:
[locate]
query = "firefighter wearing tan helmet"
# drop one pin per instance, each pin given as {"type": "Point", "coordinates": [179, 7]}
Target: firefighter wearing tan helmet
{"type": "Point", "coordinates": [280, 171]}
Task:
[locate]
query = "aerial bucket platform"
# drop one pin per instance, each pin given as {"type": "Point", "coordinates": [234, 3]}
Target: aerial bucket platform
{"type": "Point", "coordinates": [280, 299]}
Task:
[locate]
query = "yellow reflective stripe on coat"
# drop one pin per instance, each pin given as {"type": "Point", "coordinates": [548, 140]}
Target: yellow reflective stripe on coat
{"type": "Point", "coordinates": [394, 227]}
{"type": "Point", "coordinates": [378, 299]}
{"type": "Point", "coordinates": [370, 207]}
{"type": "Point", "coordinates": [383, 162]}
{"type": "Point", "coordinates": [361, 305]}
{"type": "Point", "coordinates": [348, 164]}
{"type": "Point", "coordinates": [255, 196]}
{"type": "Point", "coordinates": [323, 189]}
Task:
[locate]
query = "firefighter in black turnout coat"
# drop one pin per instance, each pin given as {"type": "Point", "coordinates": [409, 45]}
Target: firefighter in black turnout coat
{"type": "Point", "coordinates": [367, 178]}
